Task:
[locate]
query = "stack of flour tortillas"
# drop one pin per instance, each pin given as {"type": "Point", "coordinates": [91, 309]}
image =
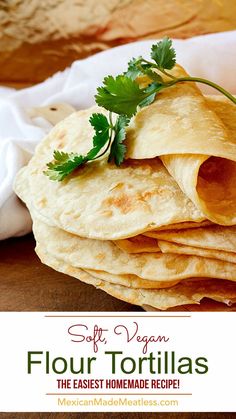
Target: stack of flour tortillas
{"type": "Point", "coordinates": [158, 231]}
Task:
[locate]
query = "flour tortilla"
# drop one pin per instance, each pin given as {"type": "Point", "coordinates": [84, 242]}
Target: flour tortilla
{"type": "Point", "coordinates": [206, 305]}
{"type": "Point", "coordinates": [198, 150]}
{"type": "Point", "coordinates": [214, 237]}
{"type": "Point", "coordinates": [101, 200]}
{"type": "Point", "coordinates": [133, 281]}
{"type": "Point", "coordinates": [22, 189]}
{"type": "Point", "coordinates": [129, 280]}
{"type": "Point", "coordinates": [222, 291]}
{"type": "Point", "coordinates": [167, 247]}
{"type": "Point", "coordinates": [179, 226]}
{"type": "Point", "coordinates": [106, 256]}
{"type": "Point", "coordinates": [138, 244]}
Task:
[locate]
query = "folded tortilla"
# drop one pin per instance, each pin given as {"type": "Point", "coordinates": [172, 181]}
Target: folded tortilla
{"type": "Point", "coordinates": [180, 294]}
{"type": "Point", "coordinates": [168, 247]}
{"type": "Point", "coordinates": [131, 281]}
{"type": "Point", "coordinates": [227, 239]}
{"type": "Point", "coordinates": [213, 237]}
{"type": "Point", "coordinates": [196, 142]}
{"type": "Point", "coordinates": [138, 244]}
{"type": "Point", "coordinates": [180, 226]}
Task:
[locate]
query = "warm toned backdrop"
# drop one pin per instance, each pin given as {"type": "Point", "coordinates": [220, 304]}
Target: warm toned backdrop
{"type": "Point", "coordinates": [40, 37]}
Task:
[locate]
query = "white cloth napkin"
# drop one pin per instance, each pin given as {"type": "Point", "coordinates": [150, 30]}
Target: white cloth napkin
{"type": "Point", "coordinates": [210, 56]}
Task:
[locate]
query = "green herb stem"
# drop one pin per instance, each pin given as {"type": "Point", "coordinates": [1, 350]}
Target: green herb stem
{"type": "Point", "coordinates": [112, 130]}
{"type": "Point", "coordinates": [207, 82]}
{"type": "Point", "coordinates": [157, 67]}
{"type": "Point", "coordinates": [106, 149]}
{"type": "Point", "coordinates": [110, 120]}
{"type": "Point", "coordinates": [142, 60]}
{"type": "Point", "coordinates": [168, 74]}
{"type": "Point", "coordinates": [192, 79]}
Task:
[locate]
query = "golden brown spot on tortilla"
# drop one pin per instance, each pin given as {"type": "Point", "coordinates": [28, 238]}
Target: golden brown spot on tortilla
{"type": "Point", "coordinates": [164, 192]}
{"type": "Point", "coordinates": [100, 256]}
{"type": "Point", "coordinates": [61, 137]}
{"type": "Point", "coordinates": [122, 202]}
{"type": "Point", "coordinates": [178, 264]}
{"type": "Point", "coordinates": [148, 194]}
{"type": "Point", "coordinates": [107, 213]}
{"type": "Point", "coordinates": [119, 185]}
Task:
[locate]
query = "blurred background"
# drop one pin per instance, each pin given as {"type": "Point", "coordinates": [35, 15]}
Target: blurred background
{"type": "Point", "coordinates": [40, 37]}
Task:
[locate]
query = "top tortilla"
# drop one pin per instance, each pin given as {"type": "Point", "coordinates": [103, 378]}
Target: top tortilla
{"type": "Point", "coordinates": [101, 200]}
{"type": "Point", "coordinates": [182, 121]}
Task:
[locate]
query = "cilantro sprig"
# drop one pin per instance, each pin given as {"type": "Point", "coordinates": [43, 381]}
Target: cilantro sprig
{"type": "Point", "coordinates": [107, 136]}
{"type": "Point", "coordinates": [123, 96]}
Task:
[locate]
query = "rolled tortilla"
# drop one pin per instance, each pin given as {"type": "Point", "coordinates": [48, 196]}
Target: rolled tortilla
{"type": "Point", "coordinates": [196, 141]}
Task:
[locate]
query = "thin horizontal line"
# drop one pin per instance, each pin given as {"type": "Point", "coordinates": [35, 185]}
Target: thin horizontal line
{"type": "Point", "coordinates": [118, 394]}
{"type": "Point", "coordinates": [108, 317]}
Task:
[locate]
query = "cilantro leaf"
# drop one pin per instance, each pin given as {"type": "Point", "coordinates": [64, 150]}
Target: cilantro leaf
{"type": "Point", "coordinates": [164, 54]}
{"type": "Point", "coordinates": [133, 70]}
{"type": "Point", "coordinates": [152, 74]}
{"type": "Point", "coordinates": [121, 95]}
{"type": "Point", "coordinates": [63, 165]}
{"type": "Point", "coordinates": [60, 156]}
{"type": "Point", "coordinates": [137, 68]}
{"type": "Point", "coordinates": [102, 130]}
{"type": "Point", "coordinates": [149, 99]}
{"type": "Point", "coordinates": [101, 126]}
{"type": "Point", "coordinates": [118, 148]}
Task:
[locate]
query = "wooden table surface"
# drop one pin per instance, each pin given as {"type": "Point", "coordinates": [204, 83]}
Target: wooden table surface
{"type": "Point", "coordinates": [117, 415]}
{"type": "Point", "coordinates": [28, 285]}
